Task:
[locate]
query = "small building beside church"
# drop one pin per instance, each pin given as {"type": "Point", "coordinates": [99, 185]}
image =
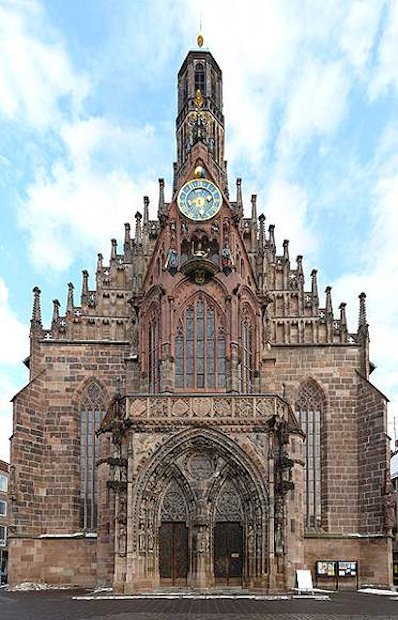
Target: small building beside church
{"type": "Point", "coordinates": [199, 415]}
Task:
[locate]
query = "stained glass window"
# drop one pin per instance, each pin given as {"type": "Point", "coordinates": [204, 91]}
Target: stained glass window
{"type": "Point", "coordinates": [309, 413]}
{"type": "Point", "coordinates": [91, 414]}
{"type": "Point", "coordinates": [200, 348]}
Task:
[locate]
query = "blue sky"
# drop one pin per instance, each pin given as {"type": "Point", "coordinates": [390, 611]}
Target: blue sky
{"type": "Point", "coordinates": [87, 117]}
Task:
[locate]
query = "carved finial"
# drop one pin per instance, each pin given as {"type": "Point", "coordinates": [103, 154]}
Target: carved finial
{"type": "Point", "coordinates": [113, 250]}
{"type": "Point", "coordinates": [286, 250]}
{"type": "Point", "coordinates": [343, 317]}
{"type": "Point", "coordinates": [146, 213]}
{"type": "Point", "coordinates": [36, 311]}
{"type": "Point", "coordinates": [328, 304]}
{"type": "Point", "coordinates": [271, 238]}
{"type": "Point", "coordinates": [362, 311]}
{"type": "Point", "coordinates": [100, 258]}
{"type": "Point", "coordinates": [299, 260]}
{"type": "Point", "coordinates": [56, 307]}
{"type": "Point", "coordinates": [127, 237]}
{"type": "Point", "coordinates": [254, 208]}
{"type": "Point", "coordinates": [314, 287]}
{"type": "Point", "coordinates": [84, 294]}
{"type": "Point", "coordinates": [138, 236]}
{"type": "Point", "coordinates": [70, 303]}
{"type": "Point", "coordinates": [239, 202]}
{"type": "Point", "coordinates": [161, 198]}
{"type": "Point", "coordinates": [261, 239]}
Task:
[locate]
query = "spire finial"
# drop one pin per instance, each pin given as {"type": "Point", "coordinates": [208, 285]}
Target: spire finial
{"type": "Point", "coordinates": [199, 38]}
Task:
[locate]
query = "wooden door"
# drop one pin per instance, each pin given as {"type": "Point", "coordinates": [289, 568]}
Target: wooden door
{"type": "Point", "coordinates": [228, 553]}
{"type": "Point", "coordinates": [173, 553]}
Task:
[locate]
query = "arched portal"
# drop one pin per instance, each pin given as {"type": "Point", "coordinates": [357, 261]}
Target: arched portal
{"type": "Point", "coordinates": [199, 484]}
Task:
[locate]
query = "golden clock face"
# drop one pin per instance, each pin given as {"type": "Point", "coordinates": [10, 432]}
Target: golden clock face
{"type": "Point", "coordinates": [199, 199]}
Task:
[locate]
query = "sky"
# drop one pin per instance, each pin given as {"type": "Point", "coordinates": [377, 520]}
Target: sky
{"type": "Point", "coordinates": [87, 121]}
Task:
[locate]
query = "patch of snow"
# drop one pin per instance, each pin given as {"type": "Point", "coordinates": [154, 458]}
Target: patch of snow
{"type": "Point", "coordinates": [30, 585]}
{"type": "Point", "coordinates": [376, 591]}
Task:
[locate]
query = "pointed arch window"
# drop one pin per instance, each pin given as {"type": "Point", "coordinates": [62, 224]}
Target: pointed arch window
{"type": "Point", "coordinates": [200, 348]}
{"type": "Point", "coordinates": [247, 355]}
{"type": "Point", "coordinates": [153, 355]}
{"type": "Point", "coordinates": [309, 413]}
{"type": "Point", "coordinates": [200, 78]}
{"type": "Point", "coordinates": [92, 411]}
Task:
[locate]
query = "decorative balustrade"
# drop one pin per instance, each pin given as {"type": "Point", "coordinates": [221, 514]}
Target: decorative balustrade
{"type": "Point", "coordinates": [225, 408]}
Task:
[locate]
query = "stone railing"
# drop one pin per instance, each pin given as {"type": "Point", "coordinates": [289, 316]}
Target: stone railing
{"type": "Point", "coordinates": [220, 407]}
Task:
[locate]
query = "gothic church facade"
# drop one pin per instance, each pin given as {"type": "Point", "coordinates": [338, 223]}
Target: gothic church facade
{"type": "Point", "coordinates": [199, 417]}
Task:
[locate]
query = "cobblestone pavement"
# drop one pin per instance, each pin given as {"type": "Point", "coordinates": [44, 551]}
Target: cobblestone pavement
{"type": "Point", "coordinates": [59, 605]}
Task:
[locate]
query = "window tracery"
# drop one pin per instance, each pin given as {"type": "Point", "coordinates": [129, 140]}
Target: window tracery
{"type": "Point", "coordinates": [200, 78]}
{"type": "Point", "coordinates": [309, 407]}
{"type": "Point", "coordinates": [247, 354]}
{"type": "Point", "coordinates": [153, 354]}
{"type": "Point", "coordinates": [200, 347]}
{"type": "Point", "coordinates": [92, 410]}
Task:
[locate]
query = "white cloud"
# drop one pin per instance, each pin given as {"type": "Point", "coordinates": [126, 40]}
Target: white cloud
{"type": "Point", "coordinates": [386, 72]}
{"type": "Point", "coordinates": [358, 31]}
{"type": "Point", "coordinates": [286, 206]}
{"type": "Point", "coordinates": [13, 333]}
{"type": "Point", "coordinates": [78, 209]}
{"type": "Point", "coordinates": [35, 75]}
{"type": "Point", "coordinates": [316, 105]}
{"type": "Point", "coordinates": [14, 337]}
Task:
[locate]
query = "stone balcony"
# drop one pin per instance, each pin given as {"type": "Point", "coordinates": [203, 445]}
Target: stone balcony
{"type": "Point", "coordinates": [208, 409]}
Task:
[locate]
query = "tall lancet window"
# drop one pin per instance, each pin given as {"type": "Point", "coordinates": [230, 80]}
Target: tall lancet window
{"type": "Point", "coordinates": [200, 78]}
{"type": "Point", "coordinates": [153, 355]}
{"type": "Point", "coordinates": [92, 410]}
{"type": "Point", "coordinates": [309, 408]}
{"type": "Point", "coordinates": [247, 355]}
{"type": "Point", "coordinates": [200, 348]}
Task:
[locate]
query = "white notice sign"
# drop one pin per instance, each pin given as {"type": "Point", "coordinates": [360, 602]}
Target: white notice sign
{"type": "Point", "coordinates": [304, 580]}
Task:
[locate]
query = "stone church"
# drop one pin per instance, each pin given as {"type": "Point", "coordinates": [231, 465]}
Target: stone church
{"type": "Point", "coordinates": [199, 416]}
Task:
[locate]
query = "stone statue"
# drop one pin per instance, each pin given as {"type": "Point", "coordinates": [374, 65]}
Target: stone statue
{"type": "Point", "coordinates": [171, 263]}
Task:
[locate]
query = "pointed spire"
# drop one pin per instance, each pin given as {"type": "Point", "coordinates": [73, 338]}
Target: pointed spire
{"type": "Point", "coordinates": [261, 238]}
{"type": "Point", "coordinates": [239, 202]}
{"type": "Point", "coordinates": [113, 250]}
{"type": "Point", "coordinates": [100, 258]}
{"type": "Point", "coordinates": [328, 304]}
{"type": "Point", "coordinates": [36, 311]}
{"type": "Point", "coordinates": [138, 236]}
{"type": "Point", "coordinates": [84, 293]}
{"type": "Point", "coordinates": [161, 207]}
{"type": "Point", "coordinates": [146, 214]}
{"type": "Point", "coordinates": [70, 303]}
{"type": "Point", "coordinates": [362, 311]}
{"type": "Point", "coordinates": [56, 307]}
{"type": "Point", "coordinates": [286, 250]}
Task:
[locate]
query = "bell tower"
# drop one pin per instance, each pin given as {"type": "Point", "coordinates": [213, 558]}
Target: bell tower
{"type": "Point", "coordinates": [200, 121]}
